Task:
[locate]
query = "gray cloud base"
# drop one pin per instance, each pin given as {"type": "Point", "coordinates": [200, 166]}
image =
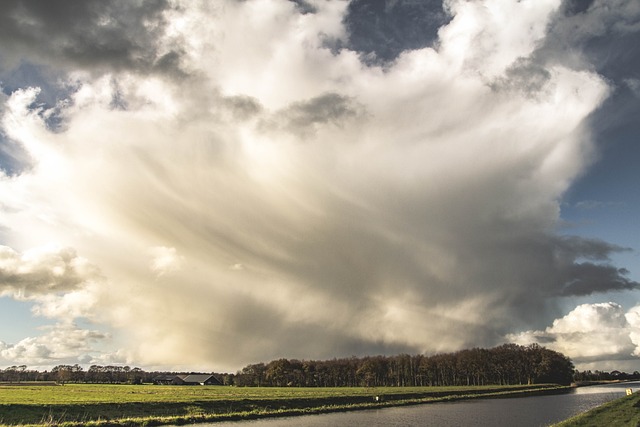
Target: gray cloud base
{"type": "Point", "coordinates": [104, 34]}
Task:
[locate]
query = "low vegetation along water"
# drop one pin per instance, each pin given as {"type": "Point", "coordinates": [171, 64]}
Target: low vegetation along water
{"type": "Point", "coordinates": [84, 404]}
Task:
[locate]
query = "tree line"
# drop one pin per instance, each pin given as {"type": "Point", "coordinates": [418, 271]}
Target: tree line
{"type": "Point", "coordinates": [508, 364]}
{"type": "Point", "coordinates": [595, 376]}
{"type": "Point", "coordinates": [75, 373]}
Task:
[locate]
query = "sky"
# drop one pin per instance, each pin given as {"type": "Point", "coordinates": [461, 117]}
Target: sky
{"type": "Point", "coordinates": [194, 185]}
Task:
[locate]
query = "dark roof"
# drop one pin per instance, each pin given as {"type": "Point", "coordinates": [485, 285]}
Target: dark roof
{"type": "Point", "coordinates": [200, 378]}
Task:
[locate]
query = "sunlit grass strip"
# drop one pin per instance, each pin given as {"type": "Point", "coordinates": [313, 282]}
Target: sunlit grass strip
{"type": "Point", "coordinates": [142, 414]}
{"type": "Point", "coordinates": [621, 412]}
{"type": "Point", "coordinates": [101, 393]}
{"type": "Point", "coordinates": [104, 393]}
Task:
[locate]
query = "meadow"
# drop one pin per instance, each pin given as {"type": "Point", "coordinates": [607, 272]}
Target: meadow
{"type": "Point", "coordinates": [106, 405]}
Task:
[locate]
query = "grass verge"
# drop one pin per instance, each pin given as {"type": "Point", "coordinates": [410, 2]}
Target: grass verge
{"type": "Point", "coordinates": [623, 412]}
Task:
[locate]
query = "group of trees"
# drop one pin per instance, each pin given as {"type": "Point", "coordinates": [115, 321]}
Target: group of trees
{"type": "Point", "coordinates": [506, 364]}
{"type": "Point", "coordinates": [76, 374]}
{"type": "Point", "coordinates": [589, 376]}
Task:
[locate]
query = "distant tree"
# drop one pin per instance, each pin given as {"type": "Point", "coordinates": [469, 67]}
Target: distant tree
{"type": "Point", "coordinates": [62, 373]}
{"type": "Point", "coordinates": [278, 372]}
{"type": "Point", "coordinates": [251, 375]}
{"type": "Point", "coordinates": [553, 367]}
{"type": "Point", "coordinates": [136, 376]}
{"type": "Point", "coordinates": [372, 372]}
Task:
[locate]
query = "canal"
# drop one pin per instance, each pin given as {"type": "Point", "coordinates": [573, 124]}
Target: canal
{"type": "Point", "coordinates": [534, 411]}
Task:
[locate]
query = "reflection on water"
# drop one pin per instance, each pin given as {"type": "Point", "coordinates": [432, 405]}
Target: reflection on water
{"type": "Point", "coordinates": [609, 388]}
{"type": "Point", "coordinates": [532, 411]}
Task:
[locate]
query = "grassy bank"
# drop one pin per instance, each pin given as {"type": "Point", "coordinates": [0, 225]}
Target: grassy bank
{"type": "Point", "coordinates": [623, 412]}
{"type": "Point", "coordinates": [111, 405]}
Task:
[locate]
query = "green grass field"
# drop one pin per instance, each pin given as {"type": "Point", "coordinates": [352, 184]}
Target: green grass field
{"type": "Point", "coordinates": [623, 412]}
{"type": "Point", "coordinates": [89, 404]}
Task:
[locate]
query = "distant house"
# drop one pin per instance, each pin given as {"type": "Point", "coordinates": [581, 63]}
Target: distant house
{"type": "Point", "coordinates": [192, 379]}
{"type": "Point", "coordinates": [200, 379]}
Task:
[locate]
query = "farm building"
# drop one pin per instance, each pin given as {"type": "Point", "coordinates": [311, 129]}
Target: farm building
{"type": "Point", "coordinates": [192, 379]}
{"type": "Point", "coordinates": [200, 379]}
{"type": "Point", "coordinates": [171, 379]}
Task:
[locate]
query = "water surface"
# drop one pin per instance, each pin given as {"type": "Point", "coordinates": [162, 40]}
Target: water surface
{"type": "Point", "coordinates": [534, 411]}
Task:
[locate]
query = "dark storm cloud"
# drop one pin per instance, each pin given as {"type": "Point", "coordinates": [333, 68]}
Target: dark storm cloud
{"type": "Point", "coordinates": [525, 76]}
{"type": "Point", "coordinates": [115, 34]}
{"type": "Point", "coordinates": [568, 275]}
{"type": "Point", "coordinates": [591, 249]}
{"type": "Point", "coordinates": [588, 278]}
{"type": "Point", "coordinates": [304, 6]}
{"type": "Point", "coordinates": [330, 108]}
{"type": "Point", "coordinates": [560, 264]}
{"type": "Point", "coordinates": [41, 40]}
{"type": "Point", "coordinates": [574, 7]}
{"type": "Point", "coordinates": [242, 107]}
{"type": "Point", "coordinates": [382, 29]}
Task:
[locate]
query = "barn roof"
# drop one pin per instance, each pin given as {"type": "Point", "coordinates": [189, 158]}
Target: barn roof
{"type": "Point", "coordinates": [199, 378]}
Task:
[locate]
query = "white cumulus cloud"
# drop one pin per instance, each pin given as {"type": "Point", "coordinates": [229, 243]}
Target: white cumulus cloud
{"type": "Point", "coordinates": [62, 343]}
{"type": "Point", "coordinates": [590, 332]}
